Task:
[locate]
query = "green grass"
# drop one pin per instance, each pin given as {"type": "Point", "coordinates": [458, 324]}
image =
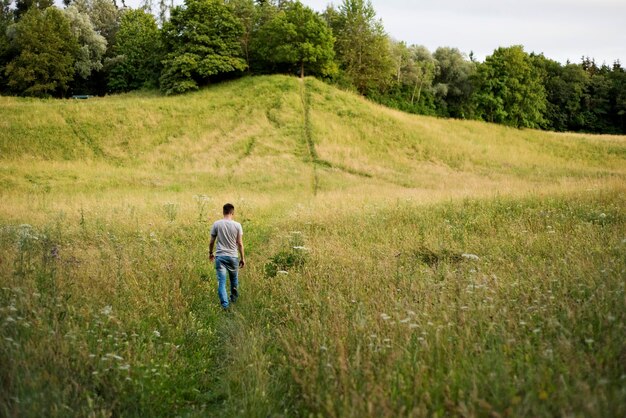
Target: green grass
{"type": "Point", "coordinates": [449, 267]}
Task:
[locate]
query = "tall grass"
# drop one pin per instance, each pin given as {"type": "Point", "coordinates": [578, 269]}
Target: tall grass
{"type": "Point", "coordinates": [398, 265]}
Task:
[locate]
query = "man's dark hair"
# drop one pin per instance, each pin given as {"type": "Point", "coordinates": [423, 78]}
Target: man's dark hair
{"type": "Point", "coordinates": [229, 209]}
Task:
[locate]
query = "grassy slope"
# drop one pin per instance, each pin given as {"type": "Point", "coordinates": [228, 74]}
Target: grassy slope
{"type": "Point", "coordinates": [122, 188]}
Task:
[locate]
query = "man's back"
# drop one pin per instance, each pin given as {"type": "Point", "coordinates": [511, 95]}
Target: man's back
{"type": "Point", "coordinates": [226, 231]}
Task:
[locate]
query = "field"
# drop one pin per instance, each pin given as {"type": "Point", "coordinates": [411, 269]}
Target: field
{"type": "Point", "coordinates": [397, 265]}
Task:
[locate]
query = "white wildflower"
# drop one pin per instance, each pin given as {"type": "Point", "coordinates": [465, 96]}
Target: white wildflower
{"type": "Point", "coordinates": [300, 248]}
{"type": "Point", "coordinates": [282, 272]}
{"type": "Point", "coordinates": [107, 310]}
{"type": "Point", "coordinates": [385, 317]}
{"type": "Point", "coordinates": [125, 366]}
{"type": "Point", "coordinates": [156, 333]}
{"type": "Point", "coordinates": [470, 256]}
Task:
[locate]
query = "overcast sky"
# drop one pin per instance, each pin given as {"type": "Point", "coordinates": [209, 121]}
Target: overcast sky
{"type": "Point", "coordinates": [561, 29]}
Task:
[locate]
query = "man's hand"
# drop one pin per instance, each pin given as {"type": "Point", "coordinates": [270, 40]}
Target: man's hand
{"type": "Point", "coordinates": [212, 258]}
{"type": "Point", "coordinates": [242, 263]}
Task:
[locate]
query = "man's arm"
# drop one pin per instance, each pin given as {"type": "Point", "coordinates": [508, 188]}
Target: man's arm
{"type": "Point", "coordinates": [211, 245]}
{"type": "Point", "coordinates": [242, 258]}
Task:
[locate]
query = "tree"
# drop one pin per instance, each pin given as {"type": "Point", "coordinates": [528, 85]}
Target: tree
{"type": "Point", "coordinates": [510, 90]}
{"type": "Point", "coordinates": [362, 46]}
{"type": "Point", "coordinates": [45, 62]}
{"type": "Point", "coordinates": [414, 69]}
{"type": "Point", "coordinates": [92, 45]}
{"type": "Point", "coordinates": [203, 40]}
{"type": "Point", "coordinates": [565, 88]}
{"type": "Point", "coordinates": [248, 14]}
{"type": "Point", "coordinates": [22, 6]}
{"type": "Point", "coordinates": [104, 15]}
{"type": "Point", "coordinates": [138, 52]}
{"type": "Point", "coordinates": [6, 19]}
{"type": "Point", "coordinates": [618, 94]}
{"type": "Point", "coordinates": [453, 83]}
{"type": "Point", "coordinates": [297, 36]}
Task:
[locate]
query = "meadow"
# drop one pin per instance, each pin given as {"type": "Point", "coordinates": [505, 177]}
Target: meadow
{"type": "Point", "coordinates": [398, 265]}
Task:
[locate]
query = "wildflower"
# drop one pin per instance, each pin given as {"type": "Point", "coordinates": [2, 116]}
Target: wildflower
{"type": "Point", "coordinates": [589, 341]}
{"type": "Point", "coordinates": [385, 317]}
{"type": "Point", "coordinates": [413, 326]}
{"type": "Point", "coordinates": [323, 348]}
{"type": "Point", "coordinates": [300, 248]}
{"type": "Point", "coordinates": [282, 272]}
{"type": "Point", "coordinates": [156, 333]}
{"type": "Point", "coordinates": [405, 320]}
{"type": "Point", "coordinates": [470, 256]}
{"type": "Point", "coordinates": [9, 319]}
{"type": "Point", "coordinates": [124, 366]}
{"type": "Point", "coordinates": [107, 310]}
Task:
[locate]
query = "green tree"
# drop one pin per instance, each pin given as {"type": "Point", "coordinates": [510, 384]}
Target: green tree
{"type": "Point", "coordinates": [565, 88]}
{"type": "Point", "coordinates": [297, 36]}
{"type": "Point", "coordinates": [618, 95]}
{"type": "Point", "coordinates": [104, 15]}
{"type": "Point", "coordinates": [138, 53]}
{"type": "Point", "coordinates": [203, 40]}
{"type": "Point", "coordinates": [22, 6]}
{"type": "Point", "coordinates": [362, 47]}
{"type": "Point", "coordinates": [248, 14]}
{"type": "Point", "coordinates": [47, 49]}
{"type": "Point", "coordinates": [6, 19]}
{"type": "Point", "coordinates": [510, 89]}
{"type": "Point", "coordinates": [92, 45]}
{"type": "Point", "coordinates": [453, 83]}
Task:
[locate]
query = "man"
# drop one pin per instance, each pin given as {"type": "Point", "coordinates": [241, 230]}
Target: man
{"type": "Point", "coordinates": [229, 245]}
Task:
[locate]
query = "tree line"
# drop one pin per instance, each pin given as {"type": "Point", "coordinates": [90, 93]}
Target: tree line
{"type": "Point", "coordinates": [97, 47]}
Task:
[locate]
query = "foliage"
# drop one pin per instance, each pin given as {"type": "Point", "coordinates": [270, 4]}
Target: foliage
{"type": "Point", "coordinates": [104, 15]}
{"type": "Point", "coordinates": [138, 53]}
{"type": "Point", "coordinates": [22, 6]}
{"type": "Point", "coordinates": [510, 89]}
{"type": "Point", "coordinates": [203, 40]}
{"type": "Point", "coordinates": [362, 46]}
{"type": "Point", "coordinates": [453, 83]}
{"type": "Point", "coordinates": [92, 46]}
{"type": "Point", "coordinates": [298, 37]}
{"type": "Point", "coordinates": [47, 49]}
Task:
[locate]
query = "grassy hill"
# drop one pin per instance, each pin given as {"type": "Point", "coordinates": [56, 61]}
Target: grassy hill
{"type": "Point", "coordinates": [449, 267]}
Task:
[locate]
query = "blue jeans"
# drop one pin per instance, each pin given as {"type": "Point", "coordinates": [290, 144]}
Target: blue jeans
{"type": "Point", "coordinates": [223, 264]}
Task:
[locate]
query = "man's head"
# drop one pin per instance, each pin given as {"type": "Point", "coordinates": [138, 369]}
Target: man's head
{"type": "Point", "coordinates": [229, 209]}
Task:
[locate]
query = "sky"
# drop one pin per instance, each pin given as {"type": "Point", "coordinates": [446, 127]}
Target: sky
{"type": "Point", "coordinates": [560, 29]}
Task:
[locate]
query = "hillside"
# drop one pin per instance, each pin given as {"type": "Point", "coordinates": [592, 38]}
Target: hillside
{"type": "Point", "coordinates": [274, 134]}
{"type": "Point", "coordinates": [397, 265]}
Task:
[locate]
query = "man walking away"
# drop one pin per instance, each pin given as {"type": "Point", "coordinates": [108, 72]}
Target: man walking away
{"type": "Point", "coordinates": [229, 235]}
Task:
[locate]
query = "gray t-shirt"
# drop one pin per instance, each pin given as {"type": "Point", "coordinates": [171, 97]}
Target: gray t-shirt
{"type": "Point", "coordinates": [226, 232]}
